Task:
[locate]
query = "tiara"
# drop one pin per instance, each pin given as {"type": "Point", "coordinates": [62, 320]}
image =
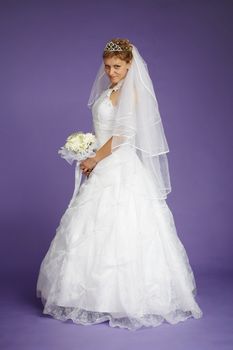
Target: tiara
{"type": "Point", "coordinates": [111, 46]}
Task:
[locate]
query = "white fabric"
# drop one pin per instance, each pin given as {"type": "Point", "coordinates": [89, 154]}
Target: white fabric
{"type": "Point", "coordinates": [137, 121]}
{"type": "Point", "coordinates": [116, 255]}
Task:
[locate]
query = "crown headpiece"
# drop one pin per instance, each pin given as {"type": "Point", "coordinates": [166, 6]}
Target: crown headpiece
{"type": "Point", "coordinates": [111, 46]}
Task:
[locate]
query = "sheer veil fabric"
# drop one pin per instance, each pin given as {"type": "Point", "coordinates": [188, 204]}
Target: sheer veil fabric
{"type": "Point", "coordinates": [137, 121]}
{"type": "Point", "coordinates": [116, 255]}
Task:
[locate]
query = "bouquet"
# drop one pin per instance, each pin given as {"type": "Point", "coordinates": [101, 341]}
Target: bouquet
{"type": "Point", "coordinates": [79, 146]}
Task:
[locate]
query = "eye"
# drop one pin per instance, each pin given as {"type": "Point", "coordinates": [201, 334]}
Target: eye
{"type": "Point", "coordinates": [116, 66]}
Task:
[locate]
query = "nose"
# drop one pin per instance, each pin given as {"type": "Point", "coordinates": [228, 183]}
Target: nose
{"type": "Point", "coordinates": [111, 71]}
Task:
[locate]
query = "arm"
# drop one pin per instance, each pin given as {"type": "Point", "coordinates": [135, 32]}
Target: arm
{"type": "Point", "coordinates": [88, 164]}
{"type": "Point", "coordinates": [104, 151]}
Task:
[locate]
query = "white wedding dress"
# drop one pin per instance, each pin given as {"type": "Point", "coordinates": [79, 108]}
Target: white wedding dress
{"type": "Point", "coordinates": [116, 255]}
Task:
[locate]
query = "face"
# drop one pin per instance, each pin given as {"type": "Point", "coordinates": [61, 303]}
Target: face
{"type": "Point", "coordinates": [116, 68]}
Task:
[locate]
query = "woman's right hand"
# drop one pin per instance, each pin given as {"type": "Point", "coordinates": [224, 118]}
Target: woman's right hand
{"type": "Point", "coordinates": [87, 172]}
{"type": "Point", "coordinates": [88, 163]}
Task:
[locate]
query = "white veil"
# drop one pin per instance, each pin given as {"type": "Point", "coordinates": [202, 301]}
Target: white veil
{"type": "Point", "coordinates": [137, 120]}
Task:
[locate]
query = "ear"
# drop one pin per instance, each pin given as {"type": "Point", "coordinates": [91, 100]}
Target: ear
{"type": "Point", "coordinates": [129, 64]}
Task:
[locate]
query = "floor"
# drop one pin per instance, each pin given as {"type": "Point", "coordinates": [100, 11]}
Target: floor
{"type": "Point", "coordinates": [23, 326]}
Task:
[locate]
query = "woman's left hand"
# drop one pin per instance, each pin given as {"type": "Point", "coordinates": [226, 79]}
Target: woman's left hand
{"type": "Point", "coordinates": [87, 165]}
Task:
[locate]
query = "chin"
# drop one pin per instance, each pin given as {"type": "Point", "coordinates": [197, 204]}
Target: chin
{"type": "Point", "coordinates": [115, 79]}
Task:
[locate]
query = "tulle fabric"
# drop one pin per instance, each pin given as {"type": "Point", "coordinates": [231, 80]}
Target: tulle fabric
{"type": "Point", "coordinates": [116, 255]}
{"type": "Point", "coordinates": [137, 121]}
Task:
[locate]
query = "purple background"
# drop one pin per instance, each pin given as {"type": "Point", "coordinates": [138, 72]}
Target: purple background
{"type": "Point", "coordinates": [50, 53]}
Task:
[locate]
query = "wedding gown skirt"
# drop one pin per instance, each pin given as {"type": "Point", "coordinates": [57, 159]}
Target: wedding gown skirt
{"type": "Point", "coordinates": [116, 255]}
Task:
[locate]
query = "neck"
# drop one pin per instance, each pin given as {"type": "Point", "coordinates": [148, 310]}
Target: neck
{"type": "Point", "coordinates": [114, 84]}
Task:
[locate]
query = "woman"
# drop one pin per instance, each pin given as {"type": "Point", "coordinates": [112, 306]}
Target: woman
{"type": "Point", "coordinates": [116, 255]}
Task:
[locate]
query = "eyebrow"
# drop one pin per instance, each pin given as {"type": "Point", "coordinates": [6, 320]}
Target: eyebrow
{"type": "Point", "coordinates": [116, 64]}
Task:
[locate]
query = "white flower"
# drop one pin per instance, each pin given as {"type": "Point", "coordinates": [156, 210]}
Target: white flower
{"type": "Point", "coordinates": [79, 146]}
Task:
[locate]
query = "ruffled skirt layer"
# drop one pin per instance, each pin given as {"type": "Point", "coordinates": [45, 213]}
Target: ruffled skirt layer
{"type": "Point", "coordinates": [116, 255]}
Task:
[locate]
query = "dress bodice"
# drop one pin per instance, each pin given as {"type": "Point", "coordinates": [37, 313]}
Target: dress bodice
{"type": "Point", "coordinates": [103, 112]}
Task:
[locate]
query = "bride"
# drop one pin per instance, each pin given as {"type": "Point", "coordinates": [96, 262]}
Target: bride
{"type": "Point", "coordinates": [116, 255]}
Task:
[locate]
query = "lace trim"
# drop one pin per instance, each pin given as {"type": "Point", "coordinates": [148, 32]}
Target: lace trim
{"type": "Point", "coordinates": [86, 317]}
